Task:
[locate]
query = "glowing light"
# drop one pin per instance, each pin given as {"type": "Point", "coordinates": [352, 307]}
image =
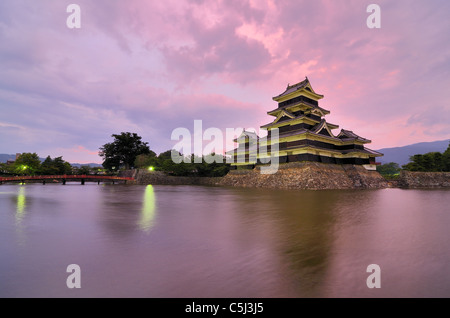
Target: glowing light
{"type": "Point", "coordinates": [148, 209]}
{"type": "Point", "coordinates": [21, 204]}
{"type": "Point", "coordinates": [151, 168]}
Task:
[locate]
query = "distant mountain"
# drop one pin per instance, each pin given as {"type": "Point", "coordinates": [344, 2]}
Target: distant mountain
{"type": "Point", "coordinates": [92, 165]}
{"type": "Point", "coordinates": [6, 157]}
{"type": "Point", "coordinates": [401, 155]}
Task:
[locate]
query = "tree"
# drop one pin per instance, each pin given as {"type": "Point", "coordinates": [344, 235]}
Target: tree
{"type": "Point", "coordinates": [145, 161]}
{"type": "Point", "coordinates": [55, 166]}
{"type": "Point", "coordinates": [446, 159]}
{"type": "Point", "coordinates": [166, 155]}
{"type": "Point", "coordinates": [3, 168]}
{"type": "Point", "coordinates": [27, 164]}
{"type": "Point", "coordinates": [390, 168]}
{"type": "Point", "coordinates": [192, 166]}
{"type": "Point", "coordinates": [84, 170]}
{"type": "Point", "coordinates": [62, 167]}
{"type": "Point", "coordinates": [437, 161]}
{"type": "Point", "coordinates": [122, 152]}
{"type": "Point", "coordinates": [431, 161]}
{"type": "Point", "coordinates": [47, 167]}
{"type": "Point", "coordinates": [177, 169]}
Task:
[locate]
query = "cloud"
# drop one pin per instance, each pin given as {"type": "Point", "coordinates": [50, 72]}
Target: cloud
{"type": "Point", "coordinates": [73, 154]}
{"type": "Point", "coordinates": [151, 66]}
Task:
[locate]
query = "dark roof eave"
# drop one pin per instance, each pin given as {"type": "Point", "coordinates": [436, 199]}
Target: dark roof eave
{"type": "Point", "coordinates": [287, 121]}
{"type": "Point", "coordinates": [325, 111]}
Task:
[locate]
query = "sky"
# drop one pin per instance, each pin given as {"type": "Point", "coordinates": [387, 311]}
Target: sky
{"type": "Point", "coordinates": [150, 67]}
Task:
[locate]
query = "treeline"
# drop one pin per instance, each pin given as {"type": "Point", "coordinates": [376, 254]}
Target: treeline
{"type": "Point", "coordinates": [190, 166]}
{"type": "Point", "coordinates": [429, 162]}
{"type": "Point", "coordinates": [30, 164]}
{"type": "Point", "coordinates": [389, 170]}
{"type": "Point", "coordinates": [127, 151]}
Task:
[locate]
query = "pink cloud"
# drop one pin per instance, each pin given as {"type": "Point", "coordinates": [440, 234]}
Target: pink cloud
{"type": "Point", "coordinates": [151, 66]}
{"type": "Point", "coordinates": [81, 149]}
{"type": "Point", "coordinates": [77, 154]}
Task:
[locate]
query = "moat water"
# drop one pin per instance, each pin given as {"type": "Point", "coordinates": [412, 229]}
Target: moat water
{"type": "Point", "coordinates": [195, 241]}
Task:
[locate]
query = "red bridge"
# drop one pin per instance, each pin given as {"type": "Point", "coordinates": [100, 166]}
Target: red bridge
{"type": "Point", "coordinates": [64, 178]}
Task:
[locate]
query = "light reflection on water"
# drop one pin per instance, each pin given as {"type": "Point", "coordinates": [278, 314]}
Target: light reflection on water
{"type": "Point", "coordinates": [148, 209]}
{"type": "Point", "coordinates": [21, 203]}
{"type": "Point", "coordinates": [192, 241]}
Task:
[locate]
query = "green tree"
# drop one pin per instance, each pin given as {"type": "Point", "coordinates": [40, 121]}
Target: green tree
{"type": "Point", "coordinates": [47, 167]}
{"type": "Point", "coordinates": [437, 161]}
{"type": "Point", "coordinates": [55, 166]}
{"type": "Point", "coordinates": [84, 170]}
{"type": "Point", "coordinates": [62, 167]}
{"type": "Point", "coordinates": [166, 164]}
{"type": "Point", "coordinates": [446, 159]}
{"type": "Point", "coordinates": [177, 169]}
{"type": "Point", "coordinates": [193, 165]}
{"type": "Point", "coordinates": [162, 157]}
{"type": "Point", "coordinates": [427, 162]}
{"type": "Point", "coordinates": [146, 160]}
{"type": "Point", "coordinates": [122, 152]}
{"type": "Point", "coordinates": [27, 164]}
{"type": "Point", "coordinates": [166, 155]}
{"type": "Point", "coordinates": [431, 161]}
{"type": "Point", "coordinates": [390, 168]}
{"type": "Point", "coordinates": [220, 171]}
{"type": "Point", "coordinates": [3, 168]}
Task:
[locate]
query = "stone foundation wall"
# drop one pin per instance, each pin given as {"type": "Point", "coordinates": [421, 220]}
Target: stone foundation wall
{"type": "Point", "coordinates": [128, 173]}
{"type": "Point", "coordinates": [295, 175]}
{"type": "Point", "coordinates": [308, 175]}
{"type": "Point", "coordinates": [413, 179]}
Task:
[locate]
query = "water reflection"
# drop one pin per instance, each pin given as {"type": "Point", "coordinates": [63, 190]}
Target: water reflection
{"type": "Point", "coordinates": [148, 209]}
{"type": "Point", "coordinates": [222, 242]}
{"type": "Point", "coordinates": [127, 209]}
{"type": "Point", "coordinates": [308, 239]}
{"type": "Point", "coordinates": [21, 203]}
{"type": "Point", "coordinates": [304, 226]}
{"type": "Point", "coordinates": [306, 220]}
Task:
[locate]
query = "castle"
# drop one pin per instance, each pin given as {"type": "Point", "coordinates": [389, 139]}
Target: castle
{"type": "Point", "coordinates": [303, 135]}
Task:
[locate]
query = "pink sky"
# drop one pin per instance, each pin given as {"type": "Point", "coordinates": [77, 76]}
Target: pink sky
{"type": "Point", "coordinates": [152, 66]}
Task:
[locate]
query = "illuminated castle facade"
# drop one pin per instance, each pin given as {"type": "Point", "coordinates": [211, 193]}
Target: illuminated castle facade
{"type": "Point", "coordinates": [304, 134]}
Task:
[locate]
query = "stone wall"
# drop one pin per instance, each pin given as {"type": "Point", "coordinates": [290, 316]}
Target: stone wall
{"type": "Point", "coordinates": [159, 177]}
{"type": "Point", "coordinates": [296, 175]}
{"type": "Point", "coordinates": [308, 175]}
{"type": "Point", "coordinates": [413, 179]}
{"type": "Point", "coordinates": [127, 173]}
{"type": "Point", "coordinates": [303, 175]}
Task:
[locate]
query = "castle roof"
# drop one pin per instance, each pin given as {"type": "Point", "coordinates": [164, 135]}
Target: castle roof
{"type": "Point", "coordinates": [305, 84]}
{"type": "Point", "coordinates": [348, 134]}
{"type": "Point", "coordinates": [246, 135]}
